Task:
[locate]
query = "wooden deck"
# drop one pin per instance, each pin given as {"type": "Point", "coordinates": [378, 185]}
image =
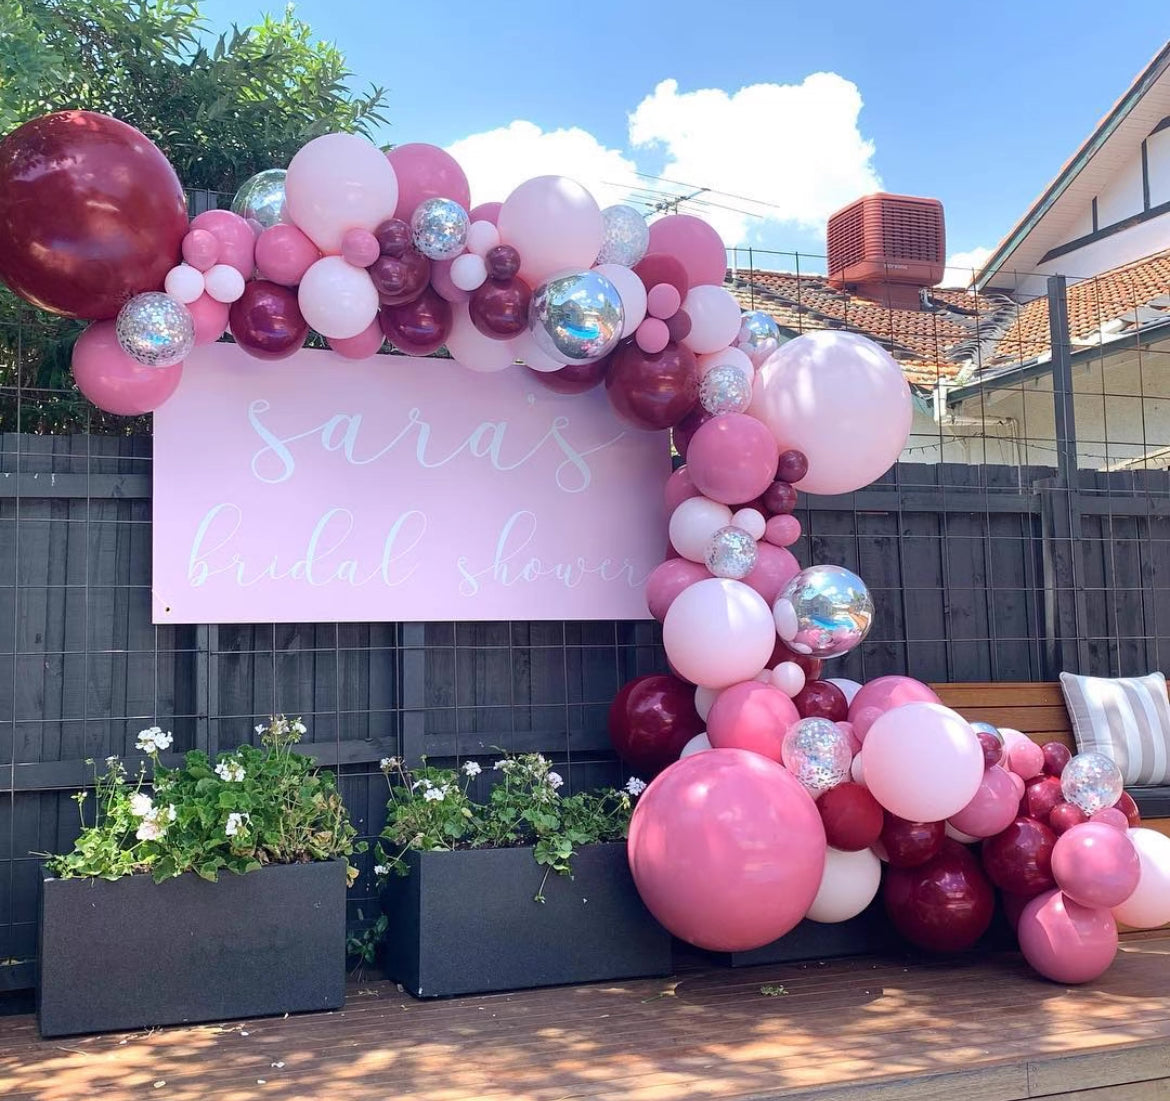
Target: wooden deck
{"type": "Point", "coordinates": [857, 1030]}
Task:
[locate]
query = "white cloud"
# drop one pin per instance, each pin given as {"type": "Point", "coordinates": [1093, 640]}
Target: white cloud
{"type": "Point", "coordinates": [963, 266]}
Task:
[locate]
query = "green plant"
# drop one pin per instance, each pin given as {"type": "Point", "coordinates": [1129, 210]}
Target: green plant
{"type": "Point", "coordinates": [256, 805]}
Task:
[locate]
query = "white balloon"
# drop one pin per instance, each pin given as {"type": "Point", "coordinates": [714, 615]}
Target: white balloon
{"type": "Point", "coordinates": [960, 836]}
{"type": "Point", "coordinates": [482, 237]}
{"type": "Point", "coordinates": [704, 698]}
{"type": "Point", "coordinates": [184, 283]}
{"type": "Point", "coordinates": [728, 357]}
{"type": "Point", "coordinates": [715, 319]}
{"type": "Point", "coordinates": [849, 884]}
{"type": "Point", "coordinates": [697, 744]}
{"type": "Point", "coordinates": [849, 687]}
{"type": "Point", "coordinates": [224, 283]}
{"type": "Point", "coordinates": [630, 290]}
{"type": "Point", "coordinates": [1149, 905]}
{"type": "Point", "coordinates": [788, 677]}
{"type": "Point", "coordinates": [752, 521]}
{"type": "Point", "coordinates": [857, 769]}
{"type": "Point", "coordinates": [693, 523]}
{"type": "Point", "coordinates": [468, 272]}
{"type": "Point", "coordinates": [337, 299]}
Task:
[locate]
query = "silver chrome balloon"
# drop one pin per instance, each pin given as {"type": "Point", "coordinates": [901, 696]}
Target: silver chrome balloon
{"type": "Point", "coordinates": [577, 316]}
{"type": "Point", "coordinates": [1092, 782]}
{"type": "Point", "coordinates": [824, 611]}
{"type": "Point", "coordinates": [155, 329]}
{"type": "Point", "coordinates": [440, 228]}
{"type": "Point", "coordinates": [759, 336]}
{"type": "Point", "coordinates": [725, 389]}
{"type": "Point", "coordinates": [260, 200]}
{"type": "Point", "coordinates": [732, 553]}
{"type": "Point", "coordinates": [817, 752]}
{"type": "Point", "coordinates": [626, 236]}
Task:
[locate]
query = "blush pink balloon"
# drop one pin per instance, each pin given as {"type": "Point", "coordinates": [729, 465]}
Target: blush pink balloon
{"type": "Point", "coordinates": [441, 281]}
{"type": "Point", "coordinates": [775, 567]}
{"type": "Point", "coordinates": [1112, 817]}
{"type": "Point", "coordinates": [360, 248]}
{"type": "Point", "coordinates": [727, 850]}
{"type": "Point", "coordinates": [113, 381]}
{"type": "Point", "coordinates": [337, 299]}
{"type": "Point", "coordinates": [485, 212]}
{"type": "Point", "coordinates": [426, 172]}
{"type": "Point", "coordinates": [696, 244]}
{"type": "Point", "coordinates": [211, 318]}
{"type": "Point", "coordinates": [667, 580]}
{"type": "Point", "coordinates": [992, 808]}
{"type": "Point", "coordinates": [1096, 865]}
{"type": "Point", "coordinates": [529, 215]}
{"type": "Point", "coordinates": [284, 254]}
{"type": "Point", "coordinates": [782, 531]}
{"type": "Point", "coordinates": [362, 346]}
{"type": "Point", "coordinates": [471, 349]}
{"type": "Point", "coordinates": [751, 715]}
{"type": "Point", "coordinates": [1025, 758]}
{"type": "Point", "coordinates": [201, 249]}
{"type": "Point", "coordinates": [663, 301]}
{"type": "Point", "coordinates": [237, 240]}
{"type": "Point", "coordinates": [732, 458]}
{"type": "Point", "coordinates": [880, 695]}
{"type": "Point", "coordinates": [652, 336]}
{"type": "Point", "coordinates": [715, 319]}
{"type": "Point", "coordinates": [1065, 941]}
{"type": "Point", "coordinates": [679, 488]}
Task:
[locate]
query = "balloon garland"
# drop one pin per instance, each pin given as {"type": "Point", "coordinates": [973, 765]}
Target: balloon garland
{"type": "Point", "coordinates": [781, 794]}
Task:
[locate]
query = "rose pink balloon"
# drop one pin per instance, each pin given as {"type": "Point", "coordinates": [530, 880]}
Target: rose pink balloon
{"type": "Point", "coordinates": [1096, 865]}
{"type": "Point", "coordinates": [360, 248]}
{"type": "Point", "coordinates": [732, 458]}
{"type": "Point", "coordinates": [992, 808]}
{"type": "Point", "coordinates": [652, 336]}
{"type": "Point", "coordinates": [727, 850]}
{"type": "Point", "coordinates": [554, 223]}
{"type": "Point", "coordinates": [113, 381]}
{"type": "Point", "coordinates": [426, 172]}
{"type": "Point", "coordinates": [1112, 817]}
{"type": "Point", "coordinates": [1065, 941]}
{"type": "Point", "coordinates": [663, 301]}
{"type": "Point", "coordinates": [775, 567]}
{"type": "Point", "coordinates": [485, 212]}
{"type": "Point", "coordinates": [880, 695]}
{"type": "Point", "coordinates": [696, 244]}
{"type": "Point", "coordinates": [284, 254]}
{"type": "Point", "coordinates": [667, 580]}
{"type": "Point", "coordinates": [1025, 758]}
{"type": "Point", "coordinates": [362, 346]}
{"type": "Point", "coordinates": [237, 241]}
{"type": "Point", "coordinates": [715, 319]}
{"type": "Point", "coordinates": [211, 318]}
{"type": "Point", "coordinates": [337, 299]}
{"type": "Point", "coordinates": [782, 531]}
{"type": "Point", "coordinates": [751, 715]}
{"type": "Point", "coordinates": [679, 488]}
{"type": "Point", "coordinates": [200, 249]}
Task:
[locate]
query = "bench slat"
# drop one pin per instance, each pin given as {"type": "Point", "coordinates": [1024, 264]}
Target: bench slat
{"type": "Point", "coordinates": [1009, 694]}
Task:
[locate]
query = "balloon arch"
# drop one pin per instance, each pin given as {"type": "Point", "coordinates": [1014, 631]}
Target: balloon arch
{"type": "Point", "coordinates": [805, 796]}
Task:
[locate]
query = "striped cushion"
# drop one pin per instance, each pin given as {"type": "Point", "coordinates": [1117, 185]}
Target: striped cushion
{"type": "Point", "coordinates": [1127, 719]}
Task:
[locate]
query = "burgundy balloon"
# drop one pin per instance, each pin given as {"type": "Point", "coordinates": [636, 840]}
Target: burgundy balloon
{"type": "Point", "coordinates": [1056, 756]}
{"type": "Point", "coordinates": [652, 391]}
{"type": "Point", "coordinates": [661, 267]}
{"type": "Point", "coordinates": [91, 214]}
{"type": "Point", "coordinates": [420, 326]}
{"type": "Point", "coordinates": [909, 844]}
{"type": "Point", "coordinates": [1064, 816]}
{"type": "Point", "coordinates": [678, 326]}
{"type": "Point", "coordinates": [852, 818]}
{"type": "Point", "coordinates": [819, 699]}
{"type": "Point", "coordinates": [1019, 859]}
{"type": "Point", "coordinates": [992, 748]}
{"type": "Point", "coordinates": [400, 279]}
{"type": "Point", "coordinates": [1041, 796]}
{"type": "Point", "coordinates": [779, 498]}
{"type": "Point", "coordinates": [650, 720]}
{"type": "Point", "coordinates": [1130, 809]}
{"type": "Point", "coordinates": [575, 378]}
{"type": "Point", "coordinates": [683, 432]}
{"type": "Point", "coordinates": [793, 466]}
{"type": "Point", "coordinates": [943, 905]}
{"type": "Point", "coordinates": [499, 308]}
{"type": "Point", "coordinates": [393, 236]}
{"type": "Point", "coordinates": [502, 262]}
{"type": "Point", "coordinates": [810, 666]}
{"type": "Point", "coordinates": [266, 320]}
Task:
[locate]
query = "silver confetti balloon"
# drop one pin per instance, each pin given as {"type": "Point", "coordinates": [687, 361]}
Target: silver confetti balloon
{"type": "Point", "coordinates": [260, 201]}
{"type": "Point", "coordinates": [824, 611]}
{"type": "Point", "coordinates": [1092, 782]}
{"type": "Point", "coordinates": [725, 389]}
{"type": "Point", "coordinates": [732, 553]}
{"type": "Point", "coordinates": [627, 236]}
{"type": "Point", "coordinates": [577, 317]}
{"type": "Point", "coordinates": [440, 228]}
{"type": "Point", "coordinates": [817, 752]}
{"type": "Point", "coordinates": [155, 329]}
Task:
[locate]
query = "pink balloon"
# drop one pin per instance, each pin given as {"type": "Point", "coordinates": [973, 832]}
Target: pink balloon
{"type": "Point", "coordinates": [663, 301]}
{"type": "Point", "coordinates": [652, 336]}
{"type": "Point", "coordinates": [362, 346]}
{"type": "Point", "coordinates": [1065, 941]}
{"type": "Point", "coordinates": [360, 248]}
{"type": "Point", "coordinates": [715, 319]}
{"type": "Point", "coordinates": [441, 281]}
{"type": "Point", "coordinates": [1111, 816]}
{"type": "Point", "coordinates": [237, 241]}
{"type": "Point", "coordinates": [113, 381]}
{"type": "Point", "coordinates": [695, 243]}
{"type": "Point", "coordinates": [1096, 865]}
{"type": "Point", "coordinates": [751, 716]}
{"type": "Point", "coordinates": [727, 850]}
{"type": "Point", "coordinates": [337, 299]}
{"type": "Point", "coordinates": [667, 580]}
{"type": "Point", "coordinates": [201, 249]}
{"type": "Point", "coordinates": [732, 458]}
{"type": "Point", "coordinates": [554, 223]}
{"type": "Point", "coordinates": [679, 488]}
{"type": "Point", "coordinates": [426, 172]}
{"type": "Point", "coordinates": [211, 318]}
{"type": "Point", "coordinates": [486, 212]}
{"type": "Point", "coordinates": [775, 567]}
{"type": "Point", "coordinates": [1018, 784]}
{"type": "Point", "coordinates": [284, 254]}
{"type": "Point", "coordinates": [993, 807]}
{"type": "Point", "coordinates": [883, 693]}
{"type": "Point", "coordinates": [782, 531]}
{"type": "Point", "coordinates": [1025, 758]}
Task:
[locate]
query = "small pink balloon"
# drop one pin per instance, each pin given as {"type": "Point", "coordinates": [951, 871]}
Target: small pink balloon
{"type": "Point", "coordinates": [881, 695]}
{"type": "Point", "coordinates": [200, 249]}
{"type": "Point", "coordinates": [652, 336]}
{"type": "Point", "coordinates": [1018, 784]}
{"type": "Point", "coordinates": [426, 172]}
{"type": "Point", "coordinates": [667, 580]}
{"type": "Point", "coordinates": [211, 318]}
{"type": "Point", "coordinates": [679, 488]}
{"type": "Point", "coordinates": [113, 381]}
{"type": "Point", "coordinates": [782, 531]}
{"type": "Point", "coordinates": [775, 567]}
{"type": "Point", "coordinates": [284, 254]}
{"type": "Point", "coordinates": [1111, 816]}
{"type": "Point", "coordinates": [362, 346]}
{"type": "Point", "coordinates": [993, 807]}
{"type": "Point", "coordinates": [732, 458]}
{"type": "Point", "coordinates": [237, 241]}
{"type": "Point", "coordinates": [1096, 865]}
{"type": "Point", "coordinates": [854, 744]}
{"type": "Point", "coordinates": [1025, 758]}
{"type": "Point", "coordinates": [1065, 941]}
{"type": "Point", "coordinates": [485, 212]}
{"type": "Point", "coordinates": [752, 715]}
{"type": "Point", "coordinates": [663, 301]}
{"type": "Point", "coordinates": [359, 247]}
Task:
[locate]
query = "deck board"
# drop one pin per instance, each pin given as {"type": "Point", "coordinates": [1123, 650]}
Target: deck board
{"type": "Point", "coordinates": [862, 1029]}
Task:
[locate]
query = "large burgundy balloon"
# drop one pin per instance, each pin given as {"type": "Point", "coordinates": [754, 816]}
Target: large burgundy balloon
{"type": "Point", "coordinates": [499, 308]}
{"type": "Point", "coordinates": [266, 320]}
{"type": "Point", "coordinates": [651, 719]}
{"type": "Point", "coordinates": [661, 267]}
{"type": "Point", "coordinates": [575, 378]}
{"type": "Point", "coordinates": [944, 905]}
{"type": "Point", "coordinates": [91, 214]}
{"type": "Point", "coordinates": [727, 850]}
{"type": "Point", "coordinates": [852, 818]}
{"type": "Point", "coordinates": [420, 326]}
{"type": "Point", "coordinates": [819, 699]}
{"type": "Point", "coordinates": [909, 844]}
{"type": "Point", "coordinates": [1019, 860]}
{"type": "Point", "coordinates": [652, 391]}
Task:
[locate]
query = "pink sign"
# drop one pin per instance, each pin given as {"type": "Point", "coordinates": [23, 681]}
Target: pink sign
{"type": "Point", "coordinates": [315, 489]}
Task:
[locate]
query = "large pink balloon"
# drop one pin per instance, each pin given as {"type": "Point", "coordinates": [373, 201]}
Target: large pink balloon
{"type": "Point", "coordinates": [554, 223]}
{"type": "Point", "coordinates": [426, 172]}
{"type": "Point", "coordinates": [992, 808]}
{"type": "Point", "coordinates": [879, 695]}
{"type": "Point", "coordinates": [841, 400]}
{"type": "Point", "coordinates": [727, 850]}
{"type": "Point", "coordinates": [732, 458]}
{"type": "Point", "coordinates": [775, 567]}
{"type": "Point", "coordinates": [1065, 941]}
{"type": "Point", "coordinates": [1096, 865]}
{"type": "Point", "coordinates": [693, 242]}
{"type": "Point", "coordinates": [923, 762]}
{"type": "Point", "coordinates": [113, 381]}
{"type": "Point", "coordinates": [751, 716]}
{"type": "Point", "coordinates": [667, 580]}
{"type": "Point", "coordinates": [718, 632]}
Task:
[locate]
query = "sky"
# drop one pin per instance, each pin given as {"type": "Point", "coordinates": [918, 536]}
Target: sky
{"type": "Point", "coordinates": [782, 111]}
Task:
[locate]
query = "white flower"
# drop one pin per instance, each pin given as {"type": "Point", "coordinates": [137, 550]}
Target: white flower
{"type": "Point", "coordinates": [150, 830]}
{"type": "Point", "coordinates": [434, 795]}
{"type": "Point", "coordinates": [146, 739]}
{"type": "Point", "coordinates": [260, 728]}
{"type": "Point", "coordinates": [554, 780]}
{"type": "Point", "coordinates": [171, 813]}
{"type": "Point", "coordinates": [231, 772]}
{"type": "Point", "coordinates": [111, 760]}
{"type": "Point", "coordinates": [163, 741]}
{"type": "Point", "coordinates": [381, 869]}
{"type": "Point", "coordinates": [635, 786]}
{"type": "Point", "coordinates": [141, 805]}
{"type": "Point", "coordinates": [299, 727]}
{"type": "Point", "coordinates": [471, 768]}
{"type": "Point", "coordinates": [236, 823]}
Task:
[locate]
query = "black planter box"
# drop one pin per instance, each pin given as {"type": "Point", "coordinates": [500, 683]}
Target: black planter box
{"type": "Point", "coordinates": [868, 933]}
{"type": "Point", "coordinates": [131, 953]}
{"type": "Point", "coordinates": [466, 922]}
